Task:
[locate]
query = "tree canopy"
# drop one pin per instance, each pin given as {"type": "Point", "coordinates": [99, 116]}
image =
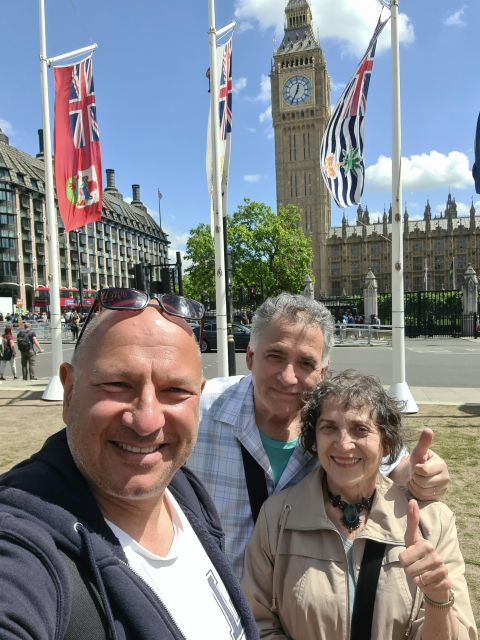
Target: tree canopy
{"type": "Point", "coordinates": [270, 253]}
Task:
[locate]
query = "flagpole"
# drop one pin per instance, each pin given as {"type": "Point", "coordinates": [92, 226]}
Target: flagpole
{"type": "Point", "coordinates": [54, 389]}
{"type": "Point", "coordinates": [160, 196]}
{"type": "Point", "coordinates": [399, 388]}
{"type": "Point", "coordinates": [220, 289]}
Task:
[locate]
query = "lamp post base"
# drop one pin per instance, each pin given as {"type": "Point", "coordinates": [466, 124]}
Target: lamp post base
{"type": "Point", "coordinates": [400, 391]}
{"type": "Point", "coordinates": [54, 390]}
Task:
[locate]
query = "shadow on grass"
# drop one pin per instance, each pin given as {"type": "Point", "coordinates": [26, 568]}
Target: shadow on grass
{"type": "Point", "coordinates": [22, 399]}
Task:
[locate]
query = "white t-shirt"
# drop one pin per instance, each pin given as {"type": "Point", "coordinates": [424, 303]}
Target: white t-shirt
{"type": "Point", "coordinates": [186, 581]}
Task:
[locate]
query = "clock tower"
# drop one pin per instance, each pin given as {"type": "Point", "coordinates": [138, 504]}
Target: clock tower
{"type": "Point", "coordinates": [300, 110]}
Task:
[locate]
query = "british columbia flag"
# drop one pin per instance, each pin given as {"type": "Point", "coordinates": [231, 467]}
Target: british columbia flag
{"type": "Point", "coordinates": [225, 92]}
{"type": "Point", "coordinates": [83, 114]}
{"type": "Point", "coordinates": [341, 150]}
{"type": "Point", "coordinates": [78, 162]}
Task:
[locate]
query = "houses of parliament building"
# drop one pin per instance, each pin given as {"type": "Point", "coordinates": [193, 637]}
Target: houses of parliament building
{"type": "Point", "coordinates": [300, 87]}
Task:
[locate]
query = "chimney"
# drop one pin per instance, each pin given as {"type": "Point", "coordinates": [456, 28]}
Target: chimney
{"type": "Point", "coordinates": [40, 144]}
{"type": "Point", "coordinates": [136, 195]}
{"type": "Point", "coordinates": [111, 180]}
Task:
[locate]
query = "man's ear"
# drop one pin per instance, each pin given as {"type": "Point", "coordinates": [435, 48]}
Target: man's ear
{"type": "Point", "coordinates": [249, 357]}
{"type": "Point", "coordinates": [67, 380]}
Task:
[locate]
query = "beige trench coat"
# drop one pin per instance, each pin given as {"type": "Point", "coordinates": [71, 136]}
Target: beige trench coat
{"type": "Point", "coordinates": [296, 567]}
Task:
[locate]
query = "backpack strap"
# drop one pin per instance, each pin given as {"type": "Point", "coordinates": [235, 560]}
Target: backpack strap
{"type": "Point", "coordinates": [366, 590]}
{"type": "Point", "coordinates": [87, 616]}
{"type": "Point", "coordinates": [256, 482]}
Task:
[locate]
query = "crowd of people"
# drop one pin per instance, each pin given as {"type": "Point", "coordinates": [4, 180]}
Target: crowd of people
{"type": "Point", "coordinates": [281, 504]}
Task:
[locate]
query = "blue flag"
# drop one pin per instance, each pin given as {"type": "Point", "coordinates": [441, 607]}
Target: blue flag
{"type": "Point", "coordinates": [341, 151]}
{"type": "Point", "coordinates": [476, 164]}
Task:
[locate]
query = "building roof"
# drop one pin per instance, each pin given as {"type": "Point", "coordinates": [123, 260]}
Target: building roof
{"type": "Point", "coordinates": [28, 172]}
{"type": "Point", "coordinates": [420, 225]}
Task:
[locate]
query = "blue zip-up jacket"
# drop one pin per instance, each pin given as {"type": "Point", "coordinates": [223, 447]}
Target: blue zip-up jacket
{"type": "Point", "coordinates": [47, 510]}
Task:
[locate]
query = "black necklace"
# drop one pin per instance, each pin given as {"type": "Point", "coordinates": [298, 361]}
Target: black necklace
{"type": "Point", "coordinates": [351, 512]}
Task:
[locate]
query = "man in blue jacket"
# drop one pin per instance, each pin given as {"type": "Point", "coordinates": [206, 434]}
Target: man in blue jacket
{"type": "Point", "coordinates": [103, 533]}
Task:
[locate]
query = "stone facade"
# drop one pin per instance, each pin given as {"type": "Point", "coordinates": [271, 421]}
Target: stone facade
{"type": "Point", "coordinates": [430, 247]}
{"type": "Point", "coordinates": [126, 235]}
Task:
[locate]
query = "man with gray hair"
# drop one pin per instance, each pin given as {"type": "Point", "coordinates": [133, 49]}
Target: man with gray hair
{"type": "Point", "coordinates": [247, 446]}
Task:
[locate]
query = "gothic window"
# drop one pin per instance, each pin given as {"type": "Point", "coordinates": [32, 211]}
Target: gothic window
{"type": "Point", "coordinates": [355, 268]}
{"type": "Point", "coordinates": [417, 263]}
{"type": "Point", "coordinates": [308, 220]}
{"type": "Point", "coordinates": [306, 145]}
{"type": "Point", "coordinates": [293, 186]}
{"type": "Point", "coordinates": [293, 146]}
{"type": "Point", "coordinates": [440, 245]}
{"type": "Point", "coordinates": [418, 247]}
{"type": "Point", "coordinates": [375, 266]}
{"type": "Point", "coordinates": [308, 183]}
{"type": "Point", "coordinates": [462, 244]}
{"type": "Point", "coordinates": [355, 250]}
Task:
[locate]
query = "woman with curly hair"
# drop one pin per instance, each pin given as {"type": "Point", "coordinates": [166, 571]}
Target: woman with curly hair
{"type": "Point", "coordinates": [346, 553]}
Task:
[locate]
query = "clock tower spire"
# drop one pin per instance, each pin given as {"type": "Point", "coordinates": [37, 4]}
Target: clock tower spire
{"type": "Point", "coordinates": [300, 110]}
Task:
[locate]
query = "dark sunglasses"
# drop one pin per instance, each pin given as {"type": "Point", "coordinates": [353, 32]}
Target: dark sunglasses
{"type": "Point", "coordinates": [124, 299]}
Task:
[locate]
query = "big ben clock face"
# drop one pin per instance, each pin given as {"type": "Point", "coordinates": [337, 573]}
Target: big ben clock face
{"type": "Point", "coordinates": [297, 90]}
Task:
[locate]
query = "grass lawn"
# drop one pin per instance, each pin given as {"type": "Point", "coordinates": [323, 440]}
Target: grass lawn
{"type": "Point", "coordinates": [26, 421]}
{"type": "Point", "coordinates": [457, 440]}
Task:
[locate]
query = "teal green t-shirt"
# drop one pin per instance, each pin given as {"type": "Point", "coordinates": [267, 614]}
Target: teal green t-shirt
{"type": "Point", "coordinates": [278, 452]}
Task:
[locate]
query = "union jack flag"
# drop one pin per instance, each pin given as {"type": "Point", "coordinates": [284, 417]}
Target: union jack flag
{"type": "Point", "coordinates": [341, 151]}
{"type": "Point", "coordinates": [82, 109]}
{"type": "Point", "coordinates": [225, 92]}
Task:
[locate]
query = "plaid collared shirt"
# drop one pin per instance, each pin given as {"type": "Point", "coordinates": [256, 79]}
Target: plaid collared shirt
{"type": "Point", "coordinates": [228, 420]}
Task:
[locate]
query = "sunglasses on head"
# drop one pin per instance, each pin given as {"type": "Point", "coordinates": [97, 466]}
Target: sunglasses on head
{"type": "Point", "coordinates": [125, 299]}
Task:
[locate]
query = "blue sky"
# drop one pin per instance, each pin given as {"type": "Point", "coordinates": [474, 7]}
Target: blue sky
{"type": "Point", "coordinates": [152, 99]}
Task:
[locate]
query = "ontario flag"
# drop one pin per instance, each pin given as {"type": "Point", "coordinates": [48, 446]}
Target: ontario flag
{"type": "Point", "coordinates": [78, 162]}
{"type": "Point", "coordinates": [341, 150]}
{"type": "Point", "coordinates": [225, 95]}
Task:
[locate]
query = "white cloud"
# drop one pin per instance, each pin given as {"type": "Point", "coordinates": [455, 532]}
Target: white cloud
{"type": "Point", "coordinates": [266, 116]}
{"type": "Point", "coordinates": [239, 84]}
{"type": "Point", "coordinates": [456, 19]}
{"type": "Point", "coordinates": [348, 21]}
{"type": "Point", "coordinates": [264, 95]}
{"type": "Point", "coordinates": [423, 172]}
{"type": "Point", "coordinates": [255, 177]}
{"type": "Point", "coordinates": [7, 127]}
{"type": "Point", "coordinates": [251, 130]}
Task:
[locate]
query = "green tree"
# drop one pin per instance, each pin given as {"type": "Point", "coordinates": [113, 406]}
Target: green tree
{"type": "Point", "coordinates": [269, 252]}
{"type": "Point", "coordinates": [199, 281]}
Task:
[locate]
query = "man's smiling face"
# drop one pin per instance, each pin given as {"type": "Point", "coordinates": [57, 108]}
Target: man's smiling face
{"type": "Point", "coordinates": [131, 403]}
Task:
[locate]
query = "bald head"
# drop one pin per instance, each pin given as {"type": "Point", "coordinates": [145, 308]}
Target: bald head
{"type": "Point", "coordinates": [135, 382]}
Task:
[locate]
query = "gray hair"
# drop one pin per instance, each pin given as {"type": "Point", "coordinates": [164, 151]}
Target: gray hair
{"type": "Point", "coordinates": [351, 389]}
{"type": "Point", "coordinates": [294, 308]}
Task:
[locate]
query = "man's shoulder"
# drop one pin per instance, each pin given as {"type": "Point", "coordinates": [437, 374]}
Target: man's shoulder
{"type": "Point", "coordinates": [223, 389]}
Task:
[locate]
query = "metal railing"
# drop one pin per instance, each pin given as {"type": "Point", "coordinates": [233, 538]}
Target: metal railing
{"type": "Point", "coordinates": [370, 334]}
{"type": "Point", "coordinates": [42, 330]}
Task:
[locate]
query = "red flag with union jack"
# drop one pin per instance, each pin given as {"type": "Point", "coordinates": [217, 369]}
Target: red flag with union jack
{"type": "Point", "coordinates": [78, 162]}
{"type": "Point", "coordinates": [341, 150]}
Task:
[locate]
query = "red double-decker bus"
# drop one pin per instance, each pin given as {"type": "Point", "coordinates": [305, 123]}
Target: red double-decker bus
{"type": "Point", "coordinates": [69, 298]}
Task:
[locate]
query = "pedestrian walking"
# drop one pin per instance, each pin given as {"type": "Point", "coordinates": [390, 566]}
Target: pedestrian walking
{"type": "Point", "coordinates": [8, 354]}
{"type": "Point", "coordinates": [74, 325]}
{"type": "Point", "coordinates": [27, 342]}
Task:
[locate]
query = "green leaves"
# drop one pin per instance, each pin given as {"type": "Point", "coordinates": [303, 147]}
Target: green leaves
{"type": "Point", "coordinates": [270, 252]}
